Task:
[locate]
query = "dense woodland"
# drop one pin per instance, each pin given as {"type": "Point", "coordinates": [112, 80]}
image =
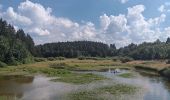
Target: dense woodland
{"type": "Point", "coordinates": [16, 47]}
{"type": "Point", "coordinates": [74, 49]}
{"type": "Point", "coordinates": [144, 51]}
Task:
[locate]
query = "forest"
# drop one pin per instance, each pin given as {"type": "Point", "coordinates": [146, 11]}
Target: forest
{"type": "Point", "coordinates": [17, 47]}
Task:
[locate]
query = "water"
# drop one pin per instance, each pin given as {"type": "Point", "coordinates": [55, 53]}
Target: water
{"type": "Point", "coordinates": [156, 88]}
{"type": "Point", "coordinates": [41, 88]}
{"type": "Point", "coordinates": [33, 88]}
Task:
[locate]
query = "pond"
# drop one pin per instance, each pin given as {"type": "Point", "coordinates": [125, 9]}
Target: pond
{"type": "Point", "coordinates": [156, 87]}
{"type": "Point", "coordinates": [40, 87]}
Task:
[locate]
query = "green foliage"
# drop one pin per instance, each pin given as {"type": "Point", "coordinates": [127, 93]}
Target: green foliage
{"type": "Point", "coordinates": [2, 64]}
{"type": "Point", "coordinates": [90, 58]}
{"type": "Point", "coordinates": [147, 51]}
{"type": "Point", "coordinates": [51, 59]}
{"type": "Point", "coordinates": [60, 58]}
{"type": "Point", "coordinates": [36, 59]}
{"type": "Point", "coordinates": [165, 72]}
{"type": "Point", "coordinates": [80, 78]}
{"type": "Point", "coordinates": [125, 59]}
{"type": "Point", "coordinates": [168, 61]}
{"type": "Point", "coordinates": [58, 65]}
{"type": "Point", "coordinates": [13, 45]}
{"type": "Point", "coordinates": [126, 75]}
{"type": "Point", "coordinates": [73, 49]}
{"type": "Point", "coordinates": [81, 58]}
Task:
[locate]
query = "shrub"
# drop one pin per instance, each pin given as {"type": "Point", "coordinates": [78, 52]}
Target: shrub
{"type": "Point", "coordinates": [81, 58]}
{"type": "Point", "coordinates": [2, 64]}
{"type": "Point", "coordinates": [115, 58]}
{"type": "Point", "coordinates": [58, 65]}
{"type": "Point", "coordinates": [125, 59]}
{"type": "Point", "coordinates": [90, 58]}
{"type": "Point", "coordinates": [51, 58]}
{"type": "Point", "coordinates": [168, 61]}
{"type": "Point", "coordinates": [60, 58]}
{"type": "Point", "coordinates": [39, 59]}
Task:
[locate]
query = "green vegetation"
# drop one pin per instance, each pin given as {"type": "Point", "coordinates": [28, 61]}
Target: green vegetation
{"type": "Point", "coordinates": [126, 75]}
{"type": "Point", "coordinates": [74, 49]}
{"type": "Point", "coordinates": [2, 64]}
{"type": "Point", "coordinates": [8, 98]}
{"type": "Point", "coordinates": [36, 59]}
{"type": "Point", "coordinates": [98, 94]}
{"type": "Point", "coordinates": [15, 46]}
{"type": "Point", "coordinates": [62, 75]}
{"type": "Point", "coordinates": [147, 51]}
{"type": "Point", "coordinates": [51, 59]}
{"type": "Point", "coordinates": [165, 72]}
{"type": "Point", "coordinates": [91, 58]}
{"type": "Point", "coordinates": [60, 58]}
{"type": "Point", "coordinates": [80, 78]}
{"type": "Point", "coordinates": [125, 59]}
{"type": "Point", "coordinates": [146, 68]}
{"type": "Point", "coordinates": [168, 62]}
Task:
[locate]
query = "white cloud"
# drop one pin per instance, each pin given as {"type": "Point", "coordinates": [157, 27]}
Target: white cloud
{"type": "Point", "coordinates": [123, 1]}
{"type": "Point", "coordinates": [122, 29]}
{"type": "Point", "coordinates": [133, 27]}
{"type": "Point", "coordinates": [15, 18]}
{"type": "Point", "coordinates": [164, 8]}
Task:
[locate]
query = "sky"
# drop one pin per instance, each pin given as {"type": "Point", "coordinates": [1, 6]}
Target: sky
{"type": "Point", "coordinates": [119, 22]}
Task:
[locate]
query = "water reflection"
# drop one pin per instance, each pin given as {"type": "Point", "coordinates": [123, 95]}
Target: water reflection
{"type": "Point", "coordinates": [156, 88]}
{"type": "Point", "coordinates": [33, 88]}
{"type": "Point", "coordinates": [40, 88]}
{"type": "Point", "coordinates": [11, 85]}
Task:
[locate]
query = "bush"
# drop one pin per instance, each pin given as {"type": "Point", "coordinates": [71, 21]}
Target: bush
{"type": "Point", "coordinates": [2, 64]}
{"type": "Point", "coordinates": [168, 61]}
{"type": "Point", "coordinates": [51, 59]}
{"type": "Point", "coordinates": [165, 72]}
{"type": "Point", "coordinates": [115, 58]}
{"type": "Point", "coordinates": [60, 58]}
{"type": "Point", "coordinates": [40, 59]}
{"type": "Point", "coordinates": [81, 58]}
{"type": "Point", "coordinates": [90, 58]}
{"type": "Point", "coordinates": [125, 59]}
{"type": "Point", "coordinates": [58, 65]}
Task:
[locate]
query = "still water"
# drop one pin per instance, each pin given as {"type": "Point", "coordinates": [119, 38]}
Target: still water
{"type": "Point", "coordinates": [155, 87]}
{"type": "Point", "coordinates": [41, 88]}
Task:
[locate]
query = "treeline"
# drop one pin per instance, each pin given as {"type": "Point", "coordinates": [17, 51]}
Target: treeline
{"type": "Point", "coordinates": [147, 51]}
{"type": "Point", "coordinates": [16, 47]}
{"type": "Point", "coordinates": [74, 49]}
{"type": "Point", "coordinates": [144, 51]}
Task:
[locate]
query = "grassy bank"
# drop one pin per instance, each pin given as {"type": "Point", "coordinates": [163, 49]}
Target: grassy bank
{"type": "Point", "coordinates": [63, 69]}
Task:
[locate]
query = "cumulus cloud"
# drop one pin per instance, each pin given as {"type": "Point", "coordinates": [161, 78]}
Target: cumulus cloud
{"type": "Point", "coordinates": [45, 27]}
{"type": "Point", "coordinates": [164, 8]}
{"type": "Point", "coordinates": [15, 18]}
{"type": "Point", "coordinates": [132, 27]}
{"type": "Point", "coordinates": [122, 29]}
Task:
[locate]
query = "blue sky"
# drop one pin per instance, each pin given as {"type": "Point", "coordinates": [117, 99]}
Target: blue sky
{"type": "Point", "coordinates": [109, 21]}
